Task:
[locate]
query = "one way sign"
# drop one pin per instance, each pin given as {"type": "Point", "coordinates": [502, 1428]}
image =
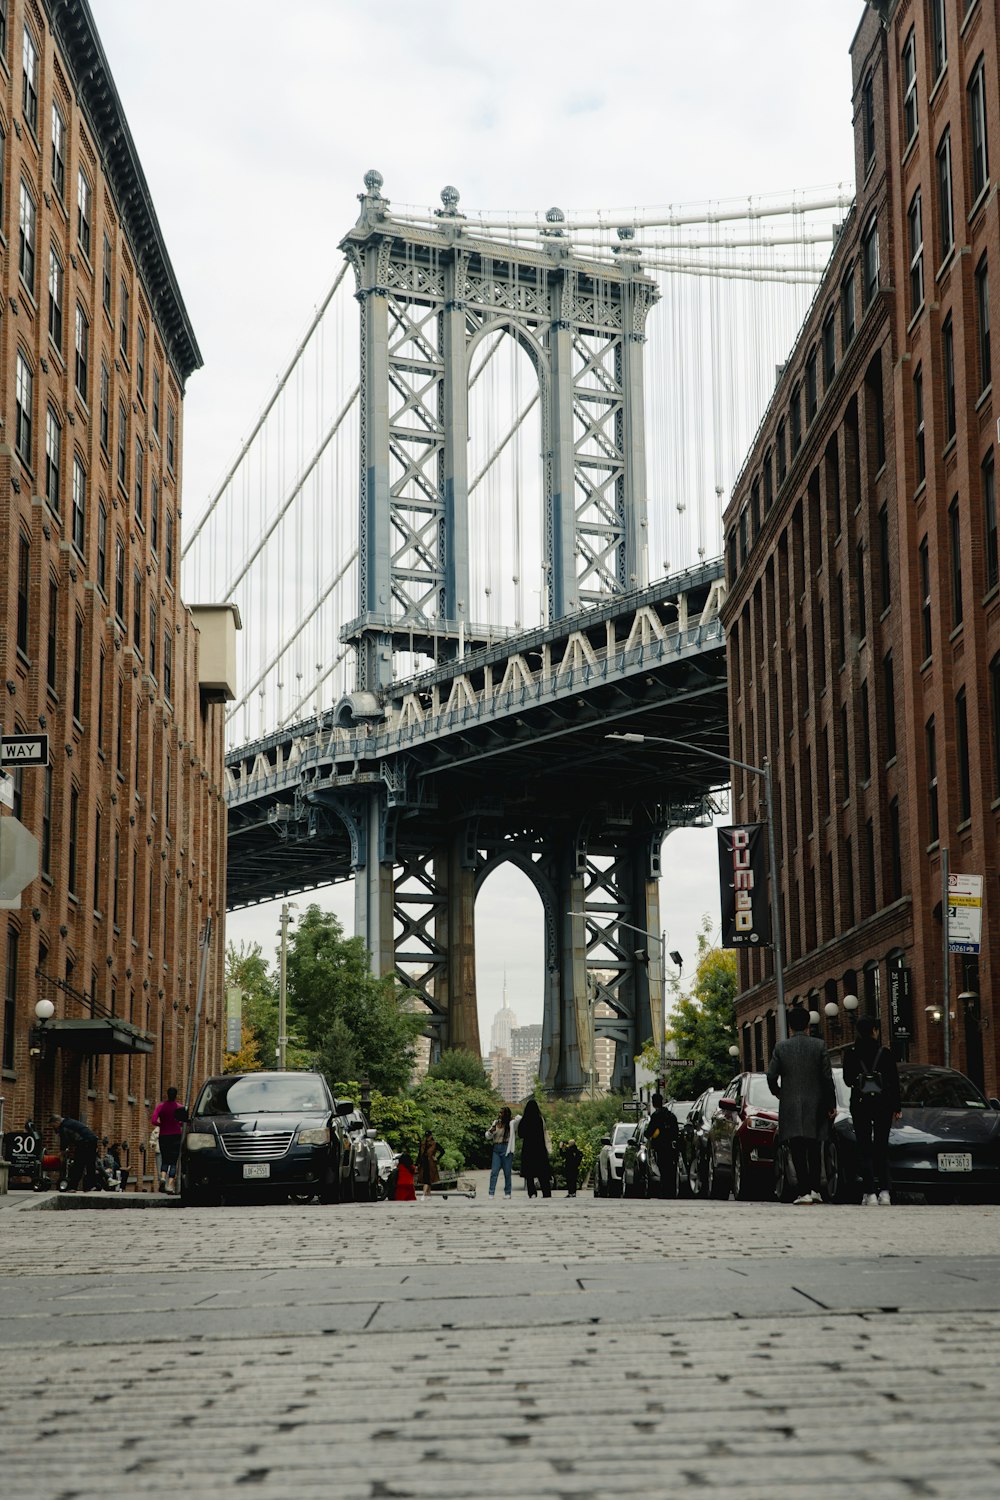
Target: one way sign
{"type": "Point", "coordinates": [24, 750]}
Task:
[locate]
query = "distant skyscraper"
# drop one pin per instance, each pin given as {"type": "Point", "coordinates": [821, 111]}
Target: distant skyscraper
{"type": "Point", "coordinates": [503, 1024]}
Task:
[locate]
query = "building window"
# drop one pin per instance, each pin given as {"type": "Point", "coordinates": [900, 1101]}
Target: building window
{"type": "Point", "coordinates": [932, 781]}
{"type": "Point", "coordinates": [55, 299]}
{"type": "Point", "coordinates": [910, 87]}
{"type": "Point", "coordinates": [889, 695]}
{"type": "Point", "coordinates": [29, 86]}
{"type": "Point", "coordinates": [58, 153]}
{"type": "Point", "coordinates": [925, 597]}
{"type": "Point", "coordinates": [779, 446]}
{"type": "Point", "coordinates": [114, 879]}
{"type": "Point", "coordinates": [102, 547]}
{"type": "Point", "coordinates": [101, 675]}
{"type": "Point", "coordinates": [156, 401]}
{"type": "Point", "coordinates": [948, 360]}
{"type": "Point", "coordinates": [868, 119]}
{"type": "Point", "coordinates": [916, 236]}
{"type": "Point", "coordinates": [83, 212]}
{"type": "Point", "coordinates": [829, 341]}
{"type": "Point", "coordinates": [983, 323]}
{"type": "Point", "coordinates": [866, 734]}
{"type": "Point", "coordinates": [82, 342]}
{"type": "Point", "coordinates": [884, 572]}
{"type": "Point", "coordinates": [26, 238]}
{"type": "Point", "coordinates": [895, 850]}
{"type": "Point", "coordinates": [137, 610]}
{"type": "Point", "coordinates": [46, 853]}
{"type": "Point", "coordinates": [168, 547]}
{"type": "Point", "coordinates": [990, 516]}
{"type": "Point", "coordinates": [955, 538]}
{"type": "Point", "coordinates": [23, 588]}
{"type": "Point", "coordinates": [154, 513]}
{"type": "Point", "coordinates": [995, 707]}
{"type": "Point", "coordinates": [869, 262]}
{"type": "Point", "coordinates": [24, 404]}
{"type": "Point", "coordinates": [120, 726]}
{"type": "Point", "coordinates": [79, 506]}
{"type": "Point", "coordinates": [105, 405]}
{"type": "Point", "coordinates": [918, 422]}
{"type": "Point", "coordinates": [812, 388]}
{"type": "Point", "coordinates": [120, 579]}
{"type": "Point", "coordinates": [152, 640]}
{"type": "Point", "coordinates": [768, 480]}
{"type": "Point", "coordinates": [50, 655]}
{"type": "Point", "coordinates": [946, 212]}
{"type": "Point", "coordinates": [859, 575]}
{"type": "Point", "coordinates": [97, 860]}
{"type": "Point", "coordinates": [848, 322]}
{"type": "Point", "coordinates": [962, 751]}
{"type": "Point", "coordinates": [122, 445]}
{"type": "Point", "coordinates": [53, 458]}
{"type": "Point", "coordinates": [106, 276]}
{"type": "Point", "coordinates": [10, 997]}
{"type": "Point", "coordinates": [123, 319]}
{"type": "Point", "coordinates": [939, 36]}
{"type": "Point", "coordinates": [140, 358]}
{"type": "Point", "coordinates": [138, 478]}
{"type": "Point", "coordinates": [77, 668]}
{"type": "Point", "coordinates": [979, 162]}
{"type": "Point", "coordinates": [171, 424]}
{"type": "Point", "coordinates": [795, 420]}
{"type": "Point", "coordinates": [875, 411]}
{"type": "Point", "coordinates": [168, 665]}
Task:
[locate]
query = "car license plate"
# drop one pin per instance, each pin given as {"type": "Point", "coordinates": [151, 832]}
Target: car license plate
{"type": "Point", "coordinates": [257, 1169]}
{"type": "Point", "coordinates": [954, 1161]}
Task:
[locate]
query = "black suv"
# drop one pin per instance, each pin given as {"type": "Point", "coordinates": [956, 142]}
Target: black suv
{"type": "Point", "coordinates": [264, 1131]}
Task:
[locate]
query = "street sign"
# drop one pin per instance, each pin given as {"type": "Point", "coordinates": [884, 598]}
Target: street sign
{"type": "Point", "coordinates": [18, 858]}
{"type": "Point", "coordinates": [680, 1062]}
{"type": "Point", "coordinates": [965, 913]}
{"type": "Point", "coordinates": [24, 750]}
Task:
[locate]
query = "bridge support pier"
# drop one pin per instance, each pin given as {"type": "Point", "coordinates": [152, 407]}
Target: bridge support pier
{"type": "Point", "coordinates": [456, 935]}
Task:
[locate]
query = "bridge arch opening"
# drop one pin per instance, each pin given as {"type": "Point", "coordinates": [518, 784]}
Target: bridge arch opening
{"type": "Point", "coordinates": [507, 584]}
{"type": "Point", "coordinates": [510, 967]}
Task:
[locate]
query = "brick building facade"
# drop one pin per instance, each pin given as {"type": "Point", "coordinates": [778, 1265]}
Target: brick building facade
{"type": "Point", "coordinates": [98, 649]}
{"type": "Point", "coordinates": [864, 599]}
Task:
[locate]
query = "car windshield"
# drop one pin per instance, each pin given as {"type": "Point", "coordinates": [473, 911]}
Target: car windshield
{"type": "Point", "coordinates": [622, 1133]}
{"type": "Point", "coordinates": [383, 1151]}
{"type": "Point", "coordinates": [937, 1088]}
{"type": "Point", "coordinates": [257, 1094]}
{"type": "Point", "coordinates": [760, 1096]}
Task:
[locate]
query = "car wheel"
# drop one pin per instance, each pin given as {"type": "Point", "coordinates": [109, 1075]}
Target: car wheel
{"type": "Point", "coordinates": [715, 1187]}
{"type": "Point", "coordinates": [742, 1190]}
{"type": "Point", "coordinates": [682, 1186]}
{"type": "Point", "coordinates": [201, 1197]}
{"type": "Point", "coordinates": [301, 1197]}
{"type": "Point", "coordinates": [835, 1188]}
{"type": "Point", "coordinates": [696, 1180]}
{"type": "Point", "coordinates": [783, 1189]}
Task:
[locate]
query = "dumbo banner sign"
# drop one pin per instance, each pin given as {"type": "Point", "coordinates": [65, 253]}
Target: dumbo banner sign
{"type": "Point", "coordinates": [746, 920]}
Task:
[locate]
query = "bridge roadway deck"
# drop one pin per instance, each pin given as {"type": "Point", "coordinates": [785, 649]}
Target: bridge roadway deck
{"type": "Point", "coordinates": [572, 1349]}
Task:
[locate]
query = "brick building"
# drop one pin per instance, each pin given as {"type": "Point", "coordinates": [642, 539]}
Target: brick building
{"type": "Point", "coordinates": [98, 649]}
{"type": "Point", "coordinates": [864, 597]}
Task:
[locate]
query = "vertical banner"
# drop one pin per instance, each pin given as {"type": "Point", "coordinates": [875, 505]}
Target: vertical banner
{"type": "Point", "coordinates": [234, 1018]}
{"type": "Point", "coordinates": [746, 917]}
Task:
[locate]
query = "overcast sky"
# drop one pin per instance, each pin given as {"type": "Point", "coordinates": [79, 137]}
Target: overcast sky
{"type": "Point", "coordinates": [255, 126]}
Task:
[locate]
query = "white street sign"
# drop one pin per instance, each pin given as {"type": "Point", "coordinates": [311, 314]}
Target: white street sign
{"type": "Point", "coordinates": [24, 750]}
{"type": "Point", "coordinates": [18, 858]}
{"type": "Point", "coordinates": [965, 913]}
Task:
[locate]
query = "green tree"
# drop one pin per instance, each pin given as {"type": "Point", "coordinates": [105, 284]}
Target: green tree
{"type": "Point", "coordinates": [463, 1067]}
{"type": "Point", "coordinates": [459, 1116]}
{"type": "Point", "coordinates": [246, 970]}
{"type": "Point", "coordinates": [702, 1024]}
{"type": "Point", "coordinates": [350, 1022]}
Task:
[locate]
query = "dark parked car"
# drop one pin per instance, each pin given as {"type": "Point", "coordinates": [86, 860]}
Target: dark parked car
{"type": "Point", "coordinates": [265, 1131]}
{"type": "Point", "coordinates": [692, 1174]}
{"type": "Point", "coordinates": [364, 1170]}
{"type": "Point", "coordinates": [741, 1139]}
{"type": "Point", "coordinates": [946, 1146]}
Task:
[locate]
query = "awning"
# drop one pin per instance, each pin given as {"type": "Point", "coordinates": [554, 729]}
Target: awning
{"type": "Point", "coordinates": [97, 1035]}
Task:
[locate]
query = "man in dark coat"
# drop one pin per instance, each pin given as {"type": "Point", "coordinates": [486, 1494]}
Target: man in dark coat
{"type": "Point", "coordinates": [663, 1134]}
{"type": "Point", "coordinates": [799, 1075]}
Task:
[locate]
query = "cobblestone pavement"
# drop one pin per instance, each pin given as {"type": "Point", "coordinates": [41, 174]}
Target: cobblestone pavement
{"type": "Point", "coordinates": [578, 1350]}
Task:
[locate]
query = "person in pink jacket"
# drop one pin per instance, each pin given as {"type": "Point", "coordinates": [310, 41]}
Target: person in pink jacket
{"type": "Point", "coordinates": [170, 1117]}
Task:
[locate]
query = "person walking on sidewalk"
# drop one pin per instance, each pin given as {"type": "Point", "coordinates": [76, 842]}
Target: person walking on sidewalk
{"type": "Point", "coordinates": [170, 1117]}
{"type": "Point", "coordinates": [501, 1134]}
{"type": "Point", "coordinates": [427, 1163]}
{"type": "Point", "coordinates": [535, 1148]}
{"type": "Point", "coordinates": [77, 1137]}
{"type": "Point", "coordinates": [871, 1074]}
{"type": "Point", "coordinates": [572, 1157]}
{"type": "Point", "coordinates": [799, 1075]}
{"type": "Point", "coordinates": [663, 1134]}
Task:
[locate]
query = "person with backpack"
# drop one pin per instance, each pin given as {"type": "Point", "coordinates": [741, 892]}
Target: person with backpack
{"type": "Point", "coordinates": [871, 1074]}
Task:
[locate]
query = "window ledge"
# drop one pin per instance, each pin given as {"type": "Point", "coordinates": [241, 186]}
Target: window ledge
{"type": "Point", "coordinates": [965, 824]}
{"type": "Point", "coordinates": [938, 82]}
{"type": "Point", "coordinates": [946, 263]}
{"type": "Point", "coordinates": [984, 192]}
{"type": "Point", "coordinates": [985, 395]}
{"type": "Point", "coordinates": [973, 9]}
{"type": "Point", "coordinates": [991, 593]}
{"type": "Point", "coordinates": [916, 317]}
{"type": "Point", "coordinates": [949, 445]}
{"type": "Point", "coordinates": [910, 147]}
{"type": "Point", "coordinates": [921, 488]}
{"type": "Point", "coordinates": [958, 630]}
{"type": "Point", "coordinates": [933, 846]}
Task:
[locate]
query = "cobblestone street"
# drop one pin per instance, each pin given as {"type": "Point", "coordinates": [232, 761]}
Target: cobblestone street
{"type": "Point", "coordinates": [579, 1350]}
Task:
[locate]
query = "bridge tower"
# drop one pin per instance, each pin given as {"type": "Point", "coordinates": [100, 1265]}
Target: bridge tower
{"type": "Point", "coordinates": [429, 293]}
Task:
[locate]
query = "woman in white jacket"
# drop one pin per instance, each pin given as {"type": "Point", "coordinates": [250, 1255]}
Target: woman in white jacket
{"type": "Point", "coordinates": [502, 1135]}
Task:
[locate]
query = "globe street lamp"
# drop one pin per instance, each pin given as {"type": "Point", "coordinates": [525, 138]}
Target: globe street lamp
{"type": "Point", "coordinates": [765, 772]}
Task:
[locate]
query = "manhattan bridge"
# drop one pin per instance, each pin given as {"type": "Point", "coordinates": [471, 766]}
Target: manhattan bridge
{"type": "Point", "coordinates": [474, 530]}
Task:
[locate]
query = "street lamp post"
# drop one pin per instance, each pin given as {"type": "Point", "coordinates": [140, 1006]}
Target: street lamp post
{"type": "Point", "coordinates": [765, 772]}
{"type": "Point", "coordinates": [286, 917]}
{"type": "Point", "coordinates": [662, 940]}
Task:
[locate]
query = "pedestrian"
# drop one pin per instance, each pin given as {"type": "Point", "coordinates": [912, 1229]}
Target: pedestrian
{"type": "Point", "coordinates": [402, 1190]}
{"type": "Point", "coordinates": [871, 1074]}
{"type": "Point", "coordinates": [572, 1157]}
{"type": "Point", "coordinates": [663, 1134]}
{"type": "Point", "coordinates": [502, 1135]}
{"type": "Point", "coordinates": [170, 1117]}
{"type": "Point", "coordinates": [427, 1165]}
{"type": "Point", "coordinates": [82, 1142]}
{"type": "Point", "coordinates": [154, 1151]}
{"type": "Point", "coordinates": [535, 1149]}
{"type": "Point", "coordinates": [799, 1075]}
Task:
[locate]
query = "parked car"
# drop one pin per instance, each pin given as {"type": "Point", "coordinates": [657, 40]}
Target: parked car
{"type": "Point", "coordinates": [692, 1158]}
{"type": "Point", "coordinates": [364, 1170]}
{"type": "Point", "coordinates": [387, 1159]}
{"type": "Point", "coordinates": [608, 1168]}
{"type": "Point", "coordinates": [741, 1139]}
{"type": "Point", "coordinates": [681, 1108]}
{"type": "Point", "coordinates": [946, 1146]}
{"type": "Point", "coordinates": [262, 1131]}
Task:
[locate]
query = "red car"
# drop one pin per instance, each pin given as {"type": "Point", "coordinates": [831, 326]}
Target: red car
{"type": "Point", "coordinates": [741, 1140]}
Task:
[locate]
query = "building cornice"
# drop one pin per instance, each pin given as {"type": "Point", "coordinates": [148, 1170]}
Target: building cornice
{"type": "Point", "coordinates": [76, 33]}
